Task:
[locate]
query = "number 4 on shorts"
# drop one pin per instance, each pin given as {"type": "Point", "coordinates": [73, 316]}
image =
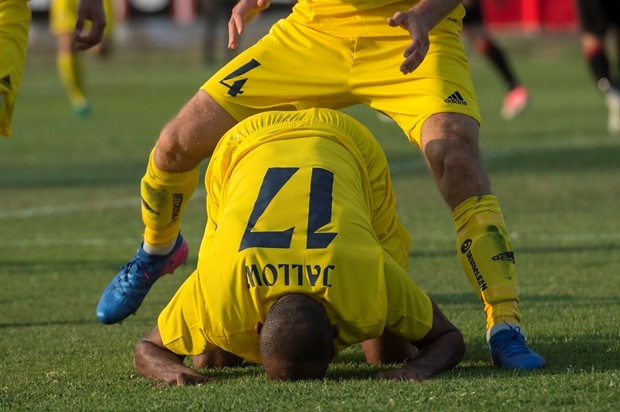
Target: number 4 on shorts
{"type": "Point", "coordinates": [235, 88]}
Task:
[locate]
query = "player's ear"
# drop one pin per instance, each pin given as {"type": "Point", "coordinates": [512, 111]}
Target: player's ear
{"type": "Point", "coordinates": [258, 327]}
{"type": "Point", "coordinates": [336, 330]}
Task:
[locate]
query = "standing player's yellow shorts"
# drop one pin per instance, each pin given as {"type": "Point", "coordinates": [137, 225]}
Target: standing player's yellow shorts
{"type": "Point", "coordinates": [298, 67]}
{"type": "Point", "coordinates": [15, 18]}
{"type": "Point", "coordinates": [63, 15]}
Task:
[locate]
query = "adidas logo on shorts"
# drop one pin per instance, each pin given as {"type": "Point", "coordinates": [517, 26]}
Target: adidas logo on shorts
{"type": "Point", "coordinates": [456, 98]}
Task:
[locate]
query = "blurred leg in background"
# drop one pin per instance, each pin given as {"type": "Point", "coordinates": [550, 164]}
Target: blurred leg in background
{"type": "Point", "coordinates": [517, 97]}
{"type": "Point", "coordinates": [63, 14]}
{"type": "Point", "coordinates": [216, 14]}
{"type": "Point", "coordinates": [598, 18]}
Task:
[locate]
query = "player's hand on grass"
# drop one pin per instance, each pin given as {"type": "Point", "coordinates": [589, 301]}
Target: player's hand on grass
{"type": "Point", "coordinates": [418, 30]}
{"type": "Point", "coordinates": [410, 374]}
{"type": "Point", "coordinates": [242, 14]}
{"type": "Point", "coordinates": [93, 11]}
{"type": "Point", "coordinates": [186, 378]}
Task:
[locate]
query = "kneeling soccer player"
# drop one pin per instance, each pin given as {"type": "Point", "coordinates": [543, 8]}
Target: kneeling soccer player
{"type": "Point", "coordinates": [302, 256]}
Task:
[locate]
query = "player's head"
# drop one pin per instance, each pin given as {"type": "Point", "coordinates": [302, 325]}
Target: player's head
{"type": "Point", "coordinates": [296, 340]}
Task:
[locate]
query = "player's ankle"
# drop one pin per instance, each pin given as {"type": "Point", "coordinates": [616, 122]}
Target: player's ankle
{"type": "Point", "coordinates": [160, 250]}
{"type": "Point", "coordinates": [500, 326]}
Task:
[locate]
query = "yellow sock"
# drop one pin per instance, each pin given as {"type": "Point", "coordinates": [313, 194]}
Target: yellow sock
{"type": "Point", "coordinates": [487, 258]}
{"type": "Point", "coordinates": [164, 197]}
{"type": "Point", "coordinates": [70, 71]}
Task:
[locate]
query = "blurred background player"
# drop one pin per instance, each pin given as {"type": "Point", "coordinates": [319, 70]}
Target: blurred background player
{"type": "Point", "coordinates": [15, 19]}
{"type": "Point", "coordinates": [63, 15]}
{"type": "Point", "coordinates": [597, 17]}
{"type": "Point", "coordinates": [14, 23]}
{"type": "Point", "coordinates": [517, 97]}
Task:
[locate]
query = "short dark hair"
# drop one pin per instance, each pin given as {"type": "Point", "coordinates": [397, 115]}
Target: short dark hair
{"type": "Point", "coordinates": [296, 340]}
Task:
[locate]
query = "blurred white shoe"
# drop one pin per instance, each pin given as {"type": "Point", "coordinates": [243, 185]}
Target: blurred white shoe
{"type": "Point", "coordinates": [612, 98]}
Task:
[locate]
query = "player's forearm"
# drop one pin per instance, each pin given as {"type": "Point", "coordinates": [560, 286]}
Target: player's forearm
{"type": "Point", "coordinates": [434, 11]}
{"type": "Point", "coordinates": [443, 354]}
{"type": "Point", "coordinates": [157, 363]}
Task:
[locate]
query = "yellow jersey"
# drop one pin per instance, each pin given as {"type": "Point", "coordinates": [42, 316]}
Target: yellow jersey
{"type": "Point", "coordinates": [298, 202]}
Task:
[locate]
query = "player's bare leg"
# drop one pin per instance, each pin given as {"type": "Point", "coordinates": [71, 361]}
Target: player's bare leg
{"type": "Point", "coordinates": [192, 135]}
{"type": "Point", "coordinates": [71, 74]}
{"type": "Point", "coordinates": [449, 142]}
{"type": "Point", "coordinates": [593, 49]}
{"type": "Point", "coordinates": [169, 182]}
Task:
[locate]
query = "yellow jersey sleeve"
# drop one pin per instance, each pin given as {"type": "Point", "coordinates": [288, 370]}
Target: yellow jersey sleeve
{"type": "Point", "coordinates": [409, 309]}
{"type": "Point", "coordinates": [182, 323]}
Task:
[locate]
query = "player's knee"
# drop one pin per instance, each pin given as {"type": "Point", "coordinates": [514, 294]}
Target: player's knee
{"type": "Point", "coordinates": [448, 156]}
{"type": "Point", "coordinates": [450, 141]}
{"type": "Point", "coordinates": [169, 138]}
{"type": "Point", "coordinates": [173, 151]}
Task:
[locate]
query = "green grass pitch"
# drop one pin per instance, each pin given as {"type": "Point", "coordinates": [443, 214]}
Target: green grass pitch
{"type": "Point", "coordinates": [69, 217]}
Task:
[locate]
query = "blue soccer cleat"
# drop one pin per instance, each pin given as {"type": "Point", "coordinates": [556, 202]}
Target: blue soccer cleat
{"type": "Point", "coordinates": [125, 293]}
{"type": "Point", "coordinates": [509, 351]}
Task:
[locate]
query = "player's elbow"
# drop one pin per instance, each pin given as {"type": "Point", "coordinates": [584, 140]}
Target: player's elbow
{"type": "Point", "coordinates": [456, 343]}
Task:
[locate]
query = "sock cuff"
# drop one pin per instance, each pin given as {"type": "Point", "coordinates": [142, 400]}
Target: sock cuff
{"type": "Point", "coordinates": [476, 205]}
{"type": "Point", "coordinates": [498, 327]}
